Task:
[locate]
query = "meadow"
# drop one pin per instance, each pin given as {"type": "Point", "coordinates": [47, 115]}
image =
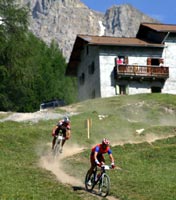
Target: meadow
{"type": "Point", "coordinates": [147, 159]}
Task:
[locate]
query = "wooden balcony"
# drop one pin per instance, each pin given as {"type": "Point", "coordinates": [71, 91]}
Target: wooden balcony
{"type": "Point", "coordinates": [138, 72]}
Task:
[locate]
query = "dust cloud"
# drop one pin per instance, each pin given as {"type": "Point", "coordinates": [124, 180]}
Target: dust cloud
{"type": "Point", "coordinates": [55, 165]}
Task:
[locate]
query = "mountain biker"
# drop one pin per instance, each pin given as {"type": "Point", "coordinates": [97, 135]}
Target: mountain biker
{"type": "Point", "coordinates": [63, 126]}
{"type": "Point", "coordinates": [96, 156]}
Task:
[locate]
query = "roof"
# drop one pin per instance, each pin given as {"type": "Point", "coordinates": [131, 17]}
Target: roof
{"type": "Point", "coordinates": [83, 40]}
{"type": "Point", "coordinates": [160, 27]}
{"type": "Point", "coordinates": [116, 41]}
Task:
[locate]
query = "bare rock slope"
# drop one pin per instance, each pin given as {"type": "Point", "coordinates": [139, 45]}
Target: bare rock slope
{"type": "Point", "coordinates": [62, 20]}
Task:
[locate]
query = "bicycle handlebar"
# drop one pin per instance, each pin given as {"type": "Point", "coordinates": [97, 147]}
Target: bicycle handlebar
{"type": "Point", "coordinates": [106, 167]}
{"type": "Point", "coordinates": [61, 137]}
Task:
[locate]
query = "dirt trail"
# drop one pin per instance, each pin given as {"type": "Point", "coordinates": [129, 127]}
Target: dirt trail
{"type": "Point", "coordinates": [55, 165]}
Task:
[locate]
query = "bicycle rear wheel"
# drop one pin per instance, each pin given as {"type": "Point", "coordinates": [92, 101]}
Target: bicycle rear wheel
{"type": "Point", "coordinates": [104, 185]}
{"type": "Point", "coordinates": [89, 181]}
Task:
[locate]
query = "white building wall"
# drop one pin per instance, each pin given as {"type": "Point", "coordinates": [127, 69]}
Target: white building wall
{"type": "Point", "coordinates": [169, 55]}
{"type": "Point", "coordinates": [107, 88]}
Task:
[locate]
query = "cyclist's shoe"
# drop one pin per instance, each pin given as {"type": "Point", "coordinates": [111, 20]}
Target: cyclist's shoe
{"type": "Point", "coordinates": [89, 183]}
{"type": "Point", "coordinates": [60, 150]}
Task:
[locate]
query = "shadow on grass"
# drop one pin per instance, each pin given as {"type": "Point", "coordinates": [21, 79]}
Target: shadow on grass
{"type": "Point", "coordinates": [92, 192]}
{"type": "Point", "coordinates": [76, 188]}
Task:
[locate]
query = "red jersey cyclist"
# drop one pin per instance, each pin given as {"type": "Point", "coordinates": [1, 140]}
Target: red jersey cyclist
{"type": "Point", "coordinates": [96, 156]}
{"type": "Point", "coordinates": [63, 126]}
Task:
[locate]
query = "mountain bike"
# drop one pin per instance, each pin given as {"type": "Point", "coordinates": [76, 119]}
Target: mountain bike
{"type": "Point", "coordinates": [101, 180]}
{"type": "Point", "coordinates": [58, 145]}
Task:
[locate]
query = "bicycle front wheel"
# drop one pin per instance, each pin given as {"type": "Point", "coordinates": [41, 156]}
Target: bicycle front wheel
{"type": "Point", "coordinates": [56, 149]}
{"type": "Point", "coordinates": [104, 185]}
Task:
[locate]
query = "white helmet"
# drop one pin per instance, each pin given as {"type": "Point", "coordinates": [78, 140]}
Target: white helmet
{"type": "Point", "coordinates": [66, 119]}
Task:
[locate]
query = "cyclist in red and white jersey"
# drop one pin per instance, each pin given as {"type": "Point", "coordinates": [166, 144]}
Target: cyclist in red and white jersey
{"type": "Point", "coordinates": [65, 127]}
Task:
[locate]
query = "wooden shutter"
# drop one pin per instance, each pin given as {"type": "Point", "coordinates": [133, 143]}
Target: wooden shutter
{"type": "Point", "coordinates": [126, 60]}
{"type": "Point", "coordinates": [149, 61]}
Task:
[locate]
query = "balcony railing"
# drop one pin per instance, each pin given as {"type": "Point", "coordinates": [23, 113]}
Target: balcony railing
{"type": "Point", "coordinates": [141, 72]}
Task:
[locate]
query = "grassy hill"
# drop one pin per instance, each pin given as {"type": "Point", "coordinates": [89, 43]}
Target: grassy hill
{"type": "Point", "coordinates": [147, 159]}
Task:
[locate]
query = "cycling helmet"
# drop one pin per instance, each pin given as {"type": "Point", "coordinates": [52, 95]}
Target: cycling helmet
{"type": "Point", "coordinates": [66, 120]}
{"type": "Point", "coordinates": [105, 141]}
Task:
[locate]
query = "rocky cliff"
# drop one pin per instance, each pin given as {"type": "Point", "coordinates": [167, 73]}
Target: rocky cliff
{"type": "Point", "coordinates": [62, 20]}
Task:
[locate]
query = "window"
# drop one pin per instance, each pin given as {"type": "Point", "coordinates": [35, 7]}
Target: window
{"type": "Point", "coordinates": [91, 68]}
{"type": "Point", "coordinates": [155, 89]}
{"type": "Point", "coordinates": [120, 60]}
{"type": "Point", "coordinates": [155, 61]}
{"type": "Point", "coordinates": [87, 50]}
{"type": "Point", "coordinates": [82, 78]}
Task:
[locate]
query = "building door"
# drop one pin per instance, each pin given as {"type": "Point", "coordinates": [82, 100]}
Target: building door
{"type": "Point", "coordinates": [155, 89]}
{"type": "Point", "coordinates": [122, 89]}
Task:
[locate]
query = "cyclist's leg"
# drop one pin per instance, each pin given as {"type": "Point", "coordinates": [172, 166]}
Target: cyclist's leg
{"type": "Point", "coordinates": [64, 140]}
{"type": "Point", "coordinates": [92, 166]}
{"type": "Point", "coordinates": [54, 140]}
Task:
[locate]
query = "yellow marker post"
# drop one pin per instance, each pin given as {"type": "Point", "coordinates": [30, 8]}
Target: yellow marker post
{"type": "Point", "coordinates": [89, 124]}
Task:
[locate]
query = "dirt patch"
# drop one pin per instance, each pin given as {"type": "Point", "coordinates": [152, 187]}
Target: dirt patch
{"type": "Point", "coordinates": [35, 116]}
{"type": "Point", "coordinates": [55, 165]}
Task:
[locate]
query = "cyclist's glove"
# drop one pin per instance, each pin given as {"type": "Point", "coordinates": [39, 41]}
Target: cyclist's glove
{"type": "Point", "coordinates": [98, 163]}
{"type": "Point", "coordinates": [112, 165]}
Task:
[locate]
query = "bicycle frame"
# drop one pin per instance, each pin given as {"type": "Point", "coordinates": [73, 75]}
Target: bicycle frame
{"type": "Point", "coordinates": [58, 144]}
{"type": "Point", "coordinates": [103, 171]}
{"type": "Point", "coordinates": [103, 181]}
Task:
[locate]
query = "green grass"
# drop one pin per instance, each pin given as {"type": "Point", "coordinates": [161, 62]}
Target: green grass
{"type": "Point", "coordinates": [21, 177]}
{"type": "Point", "coordinates": [148, 167]}
{"type": "Point", "coordinates": [148, 170]}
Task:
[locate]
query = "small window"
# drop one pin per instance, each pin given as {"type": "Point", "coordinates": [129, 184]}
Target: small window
{"type": "Point", "coordinates": [87, 50]}
{"type": "Point", "coordinates": [82, 78]}
{"type": "Point", "coordinates": [91, 68]}
{"type": "Point", "coordinates": [120, 60]}
{"type": "Point", "coordinates": [154, 61]}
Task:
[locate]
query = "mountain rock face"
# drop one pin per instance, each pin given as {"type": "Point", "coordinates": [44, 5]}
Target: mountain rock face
{"type": "Point", "coordinates": [124, 21]}
{"type": "Point", "coordinates": [62, 20]}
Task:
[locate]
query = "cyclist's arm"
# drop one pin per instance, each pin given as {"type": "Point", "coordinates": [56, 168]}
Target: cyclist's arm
{"type": "Point", "coordinates": [54, 130]}
{"type": "Point", "coordinates": [97, 149]}
{"type": "Point", "coordinates": [111, 158]}
{"type": "Point", "coordinates": [95, 155]}
{"type": "Point", "coordinates": [68, 134]}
